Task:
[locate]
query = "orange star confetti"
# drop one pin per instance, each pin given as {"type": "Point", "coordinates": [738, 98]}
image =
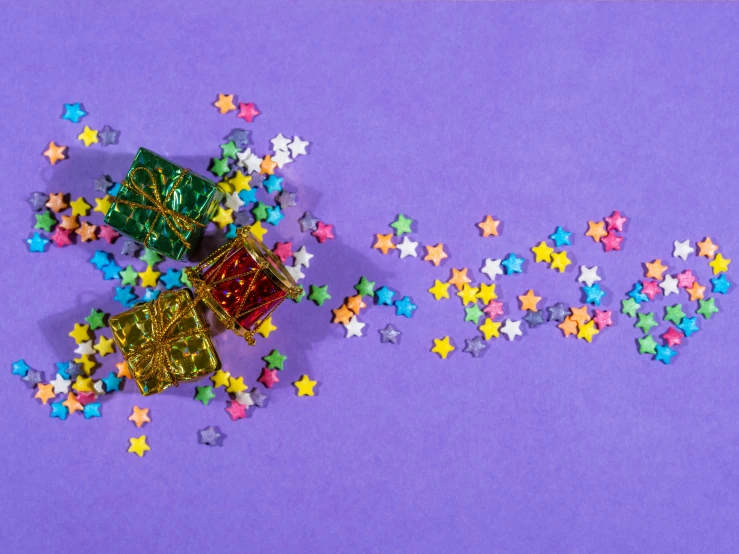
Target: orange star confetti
{"type": "Point", "coordinates": [124, 370]}
{"type": "Point", "coordinates": [696, 291]}
{"type": "Point", "coordinates": [655, 269]}
{"type": "Point", "coordinates": [69, 222]}
{"type": "Point", "coordinates": [489, 227]}
{"type": "Point", "coordinates": [384, 243]}
{"type": "Point", "coordinates": [580, 315]}
{"type": "Point", "coordinates": [355, 303]}
{"type": "Point", "coordinates": [342, 314]}
{"type": "Point", "coordinates": [707, 248]}
{"type": "Point", "coordinates": [55, 153]}
{"type": "Point", "coordinates": [87, 232]}
{"type": "Point", "coordinates": [459, 278]}
{"type": "Point", "coordinates": [225, 103]}
{"type": "Point", "coordinates": [56, 202]}
{"type": "Point", "coordinates": [267, 167]}
{"type": "Point", "coordinates": [596, 230]}
{"type": "Point", "coordinates": [435, 254]}
{"type": "Point", "coordinates": [568, 326]}
{"type": "Point", "coordinates": [529, 301]}
{"type": "Point", "coordinates": [45, 392]}
{"type": "Point", "coordinates": [72, 404]}
{"type": "Point", "coordinates": [139, 416]}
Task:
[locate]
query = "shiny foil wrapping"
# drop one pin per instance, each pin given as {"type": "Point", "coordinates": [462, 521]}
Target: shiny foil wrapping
{"type": "Point", "coordinates": [163, 205]}
{"type": "Point", "coordinates": [243, 282]}
{"type": "Point", "coordinates": [165, 341]}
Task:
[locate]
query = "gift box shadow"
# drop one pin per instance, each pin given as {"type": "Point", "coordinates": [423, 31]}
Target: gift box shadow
{"type": "Point", "coordinates": [301, 327]}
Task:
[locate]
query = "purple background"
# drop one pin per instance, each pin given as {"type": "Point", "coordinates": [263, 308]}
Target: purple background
{"type": "Point", "coordinates": [541, 115]}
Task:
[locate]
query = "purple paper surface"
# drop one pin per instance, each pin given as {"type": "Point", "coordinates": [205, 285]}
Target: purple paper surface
{"type": "Point", "coordinates": [538, 114]}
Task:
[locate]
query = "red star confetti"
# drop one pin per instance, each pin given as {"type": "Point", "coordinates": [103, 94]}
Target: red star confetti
{"type": "Point", "coordinates": [236, 410]}
{"type": "Point", "coordinates": [268, 377]}
{"type": "Point", "coordinates": [323, 232]}
{"type": "Point", "coordinates": [615, 222]}
{"type": "Point", "coordinates": [611, 241]}
{"type": "Point", "coordinates": [283, 250]}
{"type": "Point", "coordinates": [247, 111]}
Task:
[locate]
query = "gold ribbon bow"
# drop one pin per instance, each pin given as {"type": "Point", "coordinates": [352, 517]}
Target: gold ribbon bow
{"type": "Point", "coordinates": [158, 349]}
{"type": "Point", "coordinates": [174, 219]}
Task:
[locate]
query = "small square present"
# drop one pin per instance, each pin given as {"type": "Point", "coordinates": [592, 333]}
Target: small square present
{"type": "Point", "coordinates": [165, 341]}
{"type": "Point", "coordinates": [242, 282]}
{"type": "Point", "coordinates": [162, 205]}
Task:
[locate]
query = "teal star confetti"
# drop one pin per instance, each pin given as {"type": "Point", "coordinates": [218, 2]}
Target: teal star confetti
{"type": "Point", "coordinates": [74, 112]}
{"type": "Point", "coordinates": [593, 294]}
{"type": "Point", "coordinates": [404, 307]}
{"type": "Point", "coordinates": [273, 183]}
{"type": "Point", "coordinates": [664, 354]}
{"type": "Point", "coordinates": [91, 410]}
{"type": "Point", "coordinates": [384, 296]}
{"type": "Point", "coordinates": [111, 271]}
{"type": "Point", "coordinates": [125, 296]}
{"type": "Point", "coordinates": [59, 410]}
{"type": "Point", "coordinates": [20, 368]}
{"type": "Point", "coordinates": [37, 243]}
{"type": "Point", "coordinates": [274, 215]}
{"type": "Point", "coordinates": [513, 264]}
{"type": "Point", "coordinates": [172, 279]}
{"type": "Point", "coordinates": [720, 284]}
{"type": "Point", "coordinates": [689, 325]}
{"type": "Point", "coordinates": [112, 382]}
{"type": "Point", "coordinates": [560, 237]}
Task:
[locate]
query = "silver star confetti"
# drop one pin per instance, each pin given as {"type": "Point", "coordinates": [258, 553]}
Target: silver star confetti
{"type": "Point", "coordinates": [308, 222]}
{"type": "Point", "coordinates": [209, 436]}
{"type": "Point", "coordinates": [389, 334]}
{"type": "Point", "coordinates": [558, 312]}
{"type": "Point", "coordinates": [108, 136]}
{"type": "Point", "coordinates": [38, 201]}
{"type": "Point", "coordinates": [258, 398]}
{"type": "Point", "coordinates": [474, 346]}
{"type": "Point", "coordinates": [286, 199]}
{"type": "Point", "coordinates": [240, 137]}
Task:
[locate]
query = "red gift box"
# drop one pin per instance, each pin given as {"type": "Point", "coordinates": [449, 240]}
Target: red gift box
{"type": "Point", "coordinates": [243, 282]}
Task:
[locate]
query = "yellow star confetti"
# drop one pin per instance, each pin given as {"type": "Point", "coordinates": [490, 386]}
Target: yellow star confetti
{"type": "Point", "coordinates": [266, 327]}
{"type": "Point", "coordinates": [560, 261]}
{"type": "Point", "coordinates": [104, 346]}
{"type": "Point", "coordinates": [83, 384]}
{"type": "Point", "coordinates": [543, 252]}
{"type": "Point", "coordinates": [81, 333]}
{"type": "Point", "coordinates": [305, 386]}
{"type": "Point", "coordinates": [220, 378]}
{"type": "Point", "coordinates": [80, 207]}
{"type": "Point", "coordinates": [88, 136]}
{"type": "Point", "coordinates": [440, 290]}
{"type": "Point", "coordinates": [257, 230]}
{"type": "Point", "coordinates": [236, 385]}
{"type": "Point", "coordinates": [102, 205]}
{"type": "Point", "coordinates": [138, 445]}
{"type": "Point", "coordinates": [149, 277]}
{"type": "Point", "coordinates": [487, 293]}
{"type": "Point", "coordinates": [87, 363]}
{"type": "Point", "coordinates": [223, 217]}
{"type": "Point", "coordinates": [240, 182]}
{"type": "Point", "coordinates": [442, 347]}
{"type": "Point", "coordinates": [490, 328]}
{"type": "Point", "coordinates": [719, 264]}
{"type": "Point", "coordinates": [468, 294]}
{"type": "Point", "coordinates": [587, 331]}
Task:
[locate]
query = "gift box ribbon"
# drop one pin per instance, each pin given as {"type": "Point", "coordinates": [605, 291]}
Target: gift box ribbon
{"type": "Point", "coordinates": [158, 350]}
{"type": "Point", "coordinates": [173, 219]}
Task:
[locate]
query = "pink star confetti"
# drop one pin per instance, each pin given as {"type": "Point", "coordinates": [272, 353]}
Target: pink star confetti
{"type": "Point", "coordinates": [323, 232]}
{"type": "Point", "coordinates": [283, 250]}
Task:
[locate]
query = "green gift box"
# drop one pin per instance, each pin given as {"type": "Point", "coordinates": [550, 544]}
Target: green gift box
{"type": "Point", "coordinates": [162, 205]}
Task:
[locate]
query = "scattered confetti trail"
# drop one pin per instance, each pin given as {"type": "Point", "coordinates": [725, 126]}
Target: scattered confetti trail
{"type": "Point", "coordinates": [252, 193]}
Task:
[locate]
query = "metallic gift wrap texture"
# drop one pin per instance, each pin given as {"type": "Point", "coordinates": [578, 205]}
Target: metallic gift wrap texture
{"type": "Point", "coordinates": [162, 205]}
